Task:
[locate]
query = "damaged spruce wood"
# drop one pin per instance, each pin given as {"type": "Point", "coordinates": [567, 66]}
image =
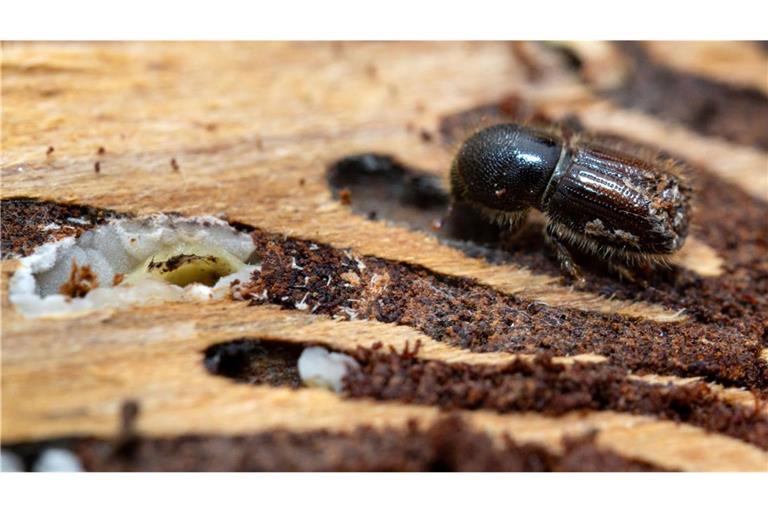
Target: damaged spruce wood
{"type": "Point", "coordinates": [244, 132]}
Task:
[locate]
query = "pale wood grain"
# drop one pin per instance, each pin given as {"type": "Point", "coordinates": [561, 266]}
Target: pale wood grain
{"type": "Point", "coordinates": [244, 136]}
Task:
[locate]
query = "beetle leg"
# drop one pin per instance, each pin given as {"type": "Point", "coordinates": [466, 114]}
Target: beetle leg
{"type": "Point", "coordinates": [465, 222]}
{"type": "Point", "coordinates": [623, 271]}
{"type": "Point", "coordinates": [516, 221]}
{"type": "Point", "coordinates": [567, 265]}
{"type": "Point", "coordinates": [626, 273]}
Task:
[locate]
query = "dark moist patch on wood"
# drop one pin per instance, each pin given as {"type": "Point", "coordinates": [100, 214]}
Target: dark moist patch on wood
{"type": "Point", "coordinates": [448, 445]}
{"type": "Point", "coordinates": [256, 361]}
{"type": "Point", "coordinates": [711, 108]}
{"type": "Point", "coordinates": [459, 311]}
{"type": "Point", "coordinates": [29, 223]}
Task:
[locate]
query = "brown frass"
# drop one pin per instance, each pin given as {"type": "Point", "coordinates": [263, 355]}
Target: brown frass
{"type": "Point", "coordinates": [447, 445]}
{"type": "Point", "coordinates": [28, 223]}
{"type": "Point", "coordinates": [538, 385]}
{"type": "Point", "coordinates": [82, 279]}
{"type": "Point", "coordinates": [544, 386]}
{"type": "Point", "coordinates": [470, 315]}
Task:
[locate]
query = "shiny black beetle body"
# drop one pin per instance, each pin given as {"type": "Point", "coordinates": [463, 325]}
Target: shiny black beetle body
{"type": "Point", "coordinates": [622, 208]}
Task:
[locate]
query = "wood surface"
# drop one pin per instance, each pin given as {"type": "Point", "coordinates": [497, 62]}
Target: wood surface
{"type": "Point", "coordinates": [247, 122]}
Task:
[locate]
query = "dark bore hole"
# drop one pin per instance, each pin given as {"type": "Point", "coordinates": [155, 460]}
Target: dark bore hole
{"type": "Point", "coordinates": [255, 361]}
{"type": "Point", "coordinates": [379, 187]}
